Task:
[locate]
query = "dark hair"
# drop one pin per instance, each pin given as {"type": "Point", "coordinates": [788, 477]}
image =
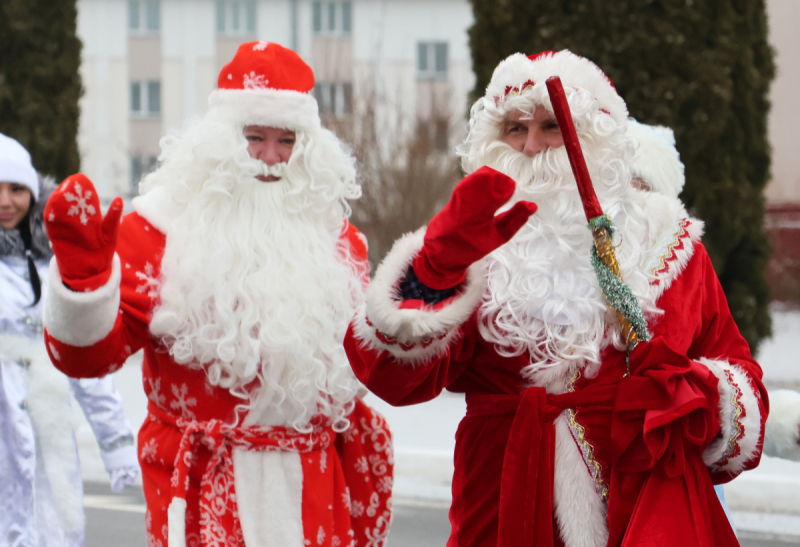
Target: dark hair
{"type": "Point", "coordinates": [24, 228]}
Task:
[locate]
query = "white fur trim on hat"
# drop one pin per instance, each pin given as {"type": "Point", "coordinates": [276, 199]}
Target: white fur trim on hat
{"type": "Point", "coordinates": [16, 166]}
{"type": "Point", "coordinates": [285, 109]}
{"type": "Point", "coordinates": [657, 162]}
{"type": "Point", "coordinates": [575, 71]}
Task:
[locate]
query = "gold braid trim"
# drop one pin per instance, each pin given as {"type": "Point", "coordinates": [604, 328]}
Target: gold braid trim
{"type": "Point", "coordinates": [586, 448]}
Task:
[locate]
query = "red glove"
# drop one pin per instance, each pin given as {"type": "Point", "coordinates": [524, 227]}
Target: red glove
{"type": "Point", "coordinates": [467, 229]}
{"type": "Point", "coordinates": [83, 241]}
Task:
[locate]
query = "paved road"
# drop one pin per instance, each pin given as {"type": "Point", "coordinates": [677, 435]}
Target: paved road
{"type": "Point", "coordinates": [118, 521]}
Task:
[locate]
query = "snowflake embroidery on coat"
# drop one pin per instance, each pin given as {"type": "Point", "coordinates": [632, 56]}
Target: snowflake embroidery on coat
{"type": "Point", "coordinates": [260, 46]}
{"type": "Point", "coordinates": [356, 509]}
{"type": "Point", "coordinates": [149, 451]}
{"type": "Point", "coordinates": [80, 207]}
{"type": "Point", "coordinates": [320, 536]}
{"type": "Point", "coordinates": [346, 499]}
{"type": "Point", "coordinates": [384, 485]}
{"type": "Point", "coordinates": [182, 402]}
{"type": "Point", "coordinates": [361, 465]}
{"type": "Point", "coordinates": [155, 394]}
{"type": "Point", "coordinates": [255, 81]}
{"type": "Point", "coordinates": [149, 282]}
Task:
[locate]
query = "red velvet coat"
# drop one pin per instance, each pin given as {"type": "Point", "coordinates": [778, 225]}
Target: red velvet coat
{"type": "Point", "coordinates": [190, 461]}
{"type": "Point", "coordinates": [610, 460]}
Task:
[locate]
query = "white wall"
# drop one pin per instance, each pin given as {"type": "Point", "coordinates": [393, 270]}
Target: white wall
{"type": "Point", "coordinates": [188, 37]}
{"type": "Point", "coordinates": [784, 119]}
{"type": "Point", "coordinates": [103, 126]}
{"type": "Point", "coordinates": [274, 21]}
{"type": "Point", "coordinates": [385, 37]}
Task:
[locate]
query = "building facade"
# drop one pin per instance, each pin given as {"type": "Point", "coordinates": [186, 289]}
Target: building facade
{"type": "Point", "coordinates": [149, 66]}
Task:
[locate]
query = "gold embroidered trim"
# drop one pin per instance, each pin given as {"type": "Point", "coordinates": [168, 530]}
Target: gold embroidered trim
{"type": "Point", "coordinates": [586, 448]}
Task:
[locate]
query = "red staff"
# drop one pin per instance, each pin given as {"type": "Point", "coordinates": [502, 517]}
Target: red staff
{"type": "Point", "coordinates": [629, 313]}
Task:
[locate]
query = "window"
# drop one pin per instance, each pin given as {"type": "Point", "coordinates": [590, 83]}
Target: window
{"type": "Point", "coordinates": [146, 98]}
{"type": "Point", "coordinates": [334, 98]}
{"type": "Point", "coordinates": [144, 16]}
{"type": "Point", "coordinates": [141, 166]}
{"type": "Point", "coordinates": [332, 18]}
{"type": "Point", "coordinates": [432, 61]}
{"type": "Point", "coordinates": [236, 17]}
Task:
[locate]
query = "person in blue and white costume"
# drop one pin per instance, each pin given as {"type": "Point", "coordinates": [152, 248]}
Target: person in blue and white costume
{"type": "Point", "coordinates": [41, 491]}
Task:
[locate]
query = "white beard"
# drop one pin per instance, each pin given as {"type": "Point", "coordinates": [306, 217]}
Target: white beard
{"type": "Point", "coordinates": [260, 298]}
{"type": "Point", "coordinates": [543, 298]}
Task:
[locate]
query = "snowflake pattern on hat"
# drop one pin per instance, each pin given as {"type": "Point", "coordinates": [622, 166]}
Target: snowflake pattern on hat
{"type": "Point", "coordinates": [255, 81]}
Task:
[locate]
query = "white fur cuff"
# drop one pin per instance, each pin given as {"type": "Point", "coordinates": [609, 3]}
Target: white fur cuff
{"type": "Point", "coordinates": [414, 335]}
{"type": "Point", "coordinates": [81, 319]}
{"type": "Point", "coordinates": [740, 419]}
{"type": "Point", "coordinates": [782, 437]}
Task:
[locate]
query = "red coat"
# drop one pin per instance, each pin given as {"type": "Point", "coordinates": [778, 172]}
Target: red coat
{"type": "Point", "coordinates": [612, 460]}
{"type": "Point", "coordinates": [187, 454]}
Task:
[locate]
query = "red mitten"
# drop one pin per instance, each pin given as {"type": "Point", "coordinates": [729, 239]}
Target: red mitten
{"type": "Point", "coordinates": [467, 229]}
{"type": "Point", "coordinates": [83, 241]}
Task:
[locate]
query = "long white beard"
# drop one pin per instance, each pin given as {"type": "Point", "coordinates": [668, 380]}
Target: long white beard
{"type": "Point", "coordinates": [544, 299]}
{"type": "Point", "coordinates": [260, 298]}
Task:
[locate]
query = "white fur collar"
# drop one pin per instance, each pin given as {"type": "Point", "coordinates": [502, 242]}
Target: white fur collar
{"type": "Point", "coordinates": [158, 208]}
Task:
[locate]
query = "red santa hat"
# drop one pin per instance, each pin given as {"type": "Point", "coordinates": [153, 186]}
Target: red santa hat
{"type": "Point", "coordinates": [519, 73]}
{"type": "Point", "coordinates": [265, 84]}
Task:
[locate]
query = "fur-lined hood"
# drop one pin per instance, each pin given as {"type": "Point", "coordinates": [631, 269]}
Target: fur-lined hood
{"type": "Point", "coordinates": [11, 241]}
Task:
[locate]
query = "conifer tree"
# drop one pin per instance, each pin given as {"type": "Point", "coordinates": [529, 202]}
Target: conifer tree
{"type": "Point", "coordinates": [701, 68]}
{"type": "Point", "coordinates": [39, 81]}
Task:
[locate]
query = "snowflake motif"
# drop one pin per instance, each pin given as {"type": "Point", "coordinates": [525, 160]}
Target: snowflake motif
{"type": "Point", "coordinates": [361, 465]}
{"type": "Point", "coordinates": [149, 283]}
{"type": "Point", "coordinates": [54, 352]}
{"type": "Point", "coordinates": [148, 520]}
{"type": "Point", "coordinates": [384, 485]}
{"type": "Point", "coordinates": [356, 509]}
{"type": "Point", "coordinates": [173, 480]}
{"type": "Point", "coordinates": [52, 217]}
{"type": "Point", "coordinates": [346, 498]}
{"type": "Point", "coordinates": [260, 46]}
{"type": "Point", "coordinates": [155, 387]}
{"type": "Point", "coordinates": [80, 207]}
{"type": "Point", "coordinates": [255, 81]}
{"type": "Point", "coordinates": [149, 451]}
{"type": "Point", "coordinates": [182, 402]}
{"type": "Point", "coordinates": [320, 536]}
{"type": "Point", "coordinates": [335, 541]}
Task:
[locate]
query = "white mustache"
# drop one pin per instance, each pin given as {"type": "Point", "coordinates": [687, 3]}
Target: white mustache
{"type": "Point", "coordinates": [277, 170]}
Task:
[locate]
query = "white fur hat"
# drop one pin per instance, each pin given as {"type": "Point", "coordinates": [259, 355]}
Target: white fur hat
{"type": "Point", "coordinates": [657, 162]}
{"type": "Point", "coordinates": [16, 166]}
{"type": "Point", "coordinates": [518, 72]}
